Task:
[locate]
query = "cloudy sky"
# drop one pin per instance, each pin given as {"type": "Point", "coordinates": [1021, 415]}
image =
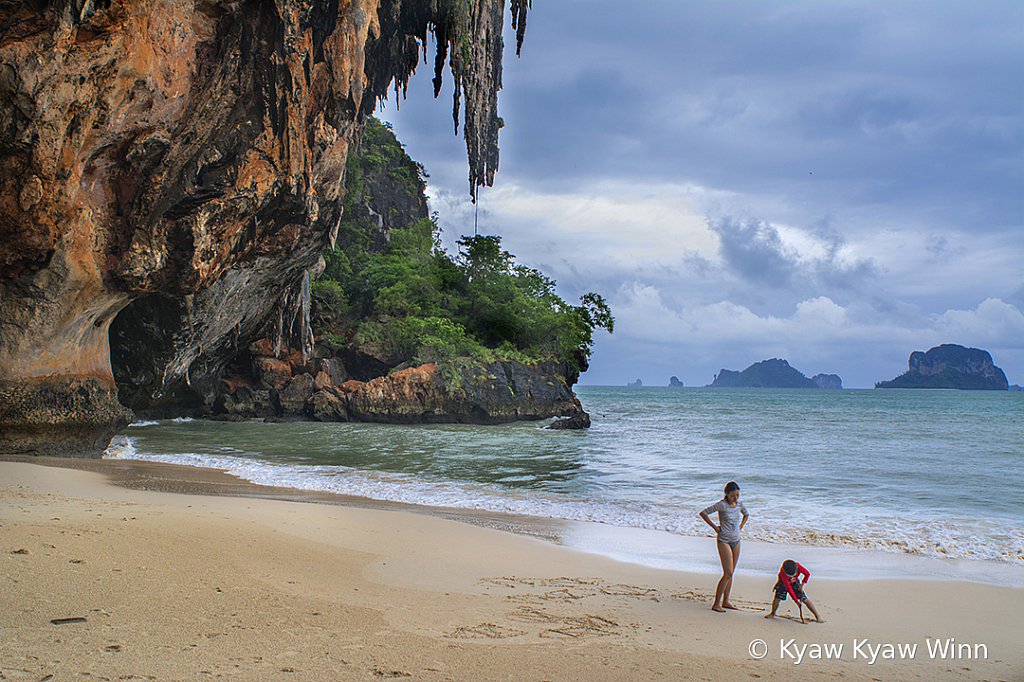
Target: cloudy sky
{"type": "Point", "coordinates": [833, 183]}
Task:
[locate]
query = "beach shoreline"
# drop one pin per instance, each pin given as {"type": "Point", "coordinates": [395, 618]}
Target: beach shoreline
{"type": "Point", "coordinates": [209, 576]}
{"type": "Point", "coordinates": [655, 549]}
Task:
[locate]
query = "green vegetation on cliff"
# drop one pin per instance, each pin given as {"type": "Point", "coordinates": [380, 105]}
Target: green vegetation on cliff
{"type": "Point", "coordinates": [388, 282]}
{"type": "Point", "coordinates": [772, 373]}
{"type": "Point", "coordinates": [947, 378]}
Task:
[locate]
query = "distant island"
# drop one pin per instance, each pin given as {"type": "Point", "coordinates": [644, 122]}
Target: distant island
{"type": "Point", "coordinates": [674, 382]}
{"type": "Point", "coordinates": [830, 381]}
{"type": "Point", "coordinates": [950, 366]}
{"type": "Point", "coordinates": [635, 383]}
{"type": "Point", "coordinates": [774, 373]}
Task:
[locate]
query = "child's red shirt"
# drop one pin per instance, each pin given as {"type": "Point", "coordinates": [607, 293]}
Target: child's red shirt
{"type": "Point", "coordinates": [800, 570]}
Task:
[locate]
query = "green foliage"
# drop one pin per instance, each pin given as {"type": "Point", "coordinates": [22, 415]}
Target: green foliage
{"type": "Point", "coordinates": [380, 152]}
{"type": "Point", "coordinates": [400, 290]}
{"type": "Point", "coordinates": [369, 331]}
{"type": "Point", "coordinates": [948, 378]}
{"type": "Point", "coordinates": [483, 256]}
{"type": "Point", "coordinates": [328, 293]}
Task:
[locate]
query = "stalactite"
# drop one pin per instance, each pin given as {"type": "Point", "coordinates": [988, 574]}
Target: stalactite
{"type": "Point", "coordinates": [305, 330]}
{"type": "Point", "coordinates": [519, 10]}
{"type": "Point", "coordinates": [292, 325]}
{"type": "Point", "coordinates": [468, 34]}
{"type": "Point", "coordinates": [279, 331]}
{"type": "Point", "coordinates": [476, 68]}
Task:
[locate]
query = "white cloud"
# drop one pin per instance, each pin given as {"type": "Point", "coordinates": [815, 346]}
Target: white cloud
{"type": "Point", "coordinates": [993, 321]}
{"type": "Point", "coordinates": [823, 312]}
{"type": "Point", "coordinates": [629, 227]}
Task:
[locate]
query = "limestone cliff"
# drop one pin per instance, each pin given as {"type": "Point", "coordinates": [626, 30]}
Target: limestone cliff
{"type": "Point", "coordinates": [343, 379]}
{"type": "Point", "coordinates": [192, 152]}
{"type": "Point", "coordinates": [950, 366]}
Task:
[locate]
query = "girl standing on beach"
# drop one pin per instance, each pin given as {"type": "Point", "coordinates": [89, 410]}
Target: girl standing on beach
{"type": "Point", "coordinates": [729, 509]}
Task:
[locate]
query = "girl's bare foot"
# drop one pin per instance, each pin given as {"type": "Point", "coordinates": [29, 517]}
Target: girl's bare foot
{"type": "Point", "coordinates": [769, 615]}
{"type": "Point", "coordinates": [718, 608]}
{"type": "Point", "coordinates": [730, 606]}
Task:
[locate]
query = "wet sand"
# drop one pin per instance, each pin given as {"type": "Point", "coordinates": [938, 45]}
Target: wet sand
{"type": "Point", "coordinates": [174, 573]}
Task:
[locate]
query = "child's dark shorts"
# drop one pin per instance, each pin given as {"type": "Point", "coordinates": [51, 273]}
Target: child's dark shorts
{"type": "Point", "coordinates": [781, 592]}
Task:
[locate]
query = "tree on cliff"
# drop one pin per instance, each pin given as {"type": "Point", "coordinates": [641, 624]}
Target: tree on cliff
{"type": "Point", "coordinates": [389, 282]}
{"type": "Point", "coordinates": [511, 304]}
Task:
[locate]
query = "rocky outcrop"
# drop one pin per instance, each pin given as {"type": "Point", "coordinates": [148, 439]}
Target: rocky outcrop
{"type": "Point", "coordinates": [55, 417]}
{"type": "Point", "coordinates": [636, 383]}
{"type": "Point", "coordinates": [827, 381]}
{"type": "Point", "coordinates": [456, 392]}
{"type": "Point", "coordinates": [188, 156]}
{"type": "Point", "coordinates": [950, 366]}
{"type": "Point", "coordinates": [774, 373]}
{"type": "Point", "coordinates": [674, 382]}
{"type": "Point", "coordinates": [578, 420]}
{"type": "Point", "coordinates": [493, 394]}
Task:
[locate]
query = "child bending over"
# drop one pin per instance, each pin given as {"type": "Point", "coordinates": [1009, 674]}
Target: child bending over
{"type": "Point", "coordinates": [789, 583]}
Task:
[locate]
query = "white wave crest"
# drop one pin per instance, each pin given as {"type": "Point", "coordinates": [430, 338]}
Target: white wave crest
{"type": "Point", "coordinates": [940, 538]}
{"type": "Point", "coordinates": [121, 447]}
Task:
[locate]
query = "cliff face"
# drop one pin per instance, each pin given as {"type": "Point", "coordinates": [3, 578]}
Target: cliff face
{"type": "Point", "coordinates": [950, 366]}
{"type": "Point", "coordinates": [494, 394]}
{"type": "Point", "coordinates": [192, 152]}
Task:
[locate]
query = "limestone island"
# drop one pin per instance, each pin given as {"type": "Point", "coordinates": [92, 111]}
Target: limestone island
{"type": "Point", "coordinates": [950, 366]}
{"type": "Point", "coordinates": [774, 373]}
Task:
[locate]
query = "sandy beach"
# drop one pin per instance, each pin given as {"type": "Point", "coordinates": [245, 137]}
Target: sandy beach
{"type": "Point", "coordinates": [121, 571]}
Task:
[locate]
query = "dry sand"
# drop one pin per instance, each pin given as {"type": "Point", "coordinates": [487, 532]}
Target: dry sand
{"type": "Point", "coordinates": [178, 586]}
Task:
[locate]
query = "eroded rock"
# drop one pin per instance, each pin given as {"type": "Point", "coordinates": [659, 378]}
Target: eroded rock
{"type": "Point", "coordinates": [186, 158]}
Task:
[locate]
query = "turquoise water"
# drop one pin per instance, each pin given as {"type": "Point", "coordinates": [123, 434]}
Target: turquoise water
{"type": "Point", "coordinates": [932, 474]}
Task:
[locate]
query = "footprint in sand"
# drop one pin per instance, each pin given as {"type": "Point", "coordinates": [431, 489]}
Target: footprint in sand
{"type": "Point", "coordinates": [621, 590]}
{"type": "Point", "coordinates": [484, 631]}
{"type": "Point", "coordinates": [566, 626]}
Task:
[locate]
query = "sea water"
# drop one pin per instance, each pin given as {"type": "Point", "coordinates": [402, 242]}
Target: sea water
{"type": "Point", "coordinates": [874, 482]}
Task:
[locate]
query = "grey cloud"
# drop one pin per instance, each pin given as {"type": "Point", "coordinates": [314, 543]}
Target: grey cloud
{"type": "Point", "coordinates": [754, 250]}
{"type": "Point", "coordinates": [898, 103]}
{"type": "Point", "coordinates": [698, 264]}
{"type": "Point", "coordinates": [835, 275]}
{"type": "Point", "coordinates": [827, 234]}
{"type": "Point", "coordinates": [941, 249]}
{"type": "Point", "coordinates": [1017, 297]}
